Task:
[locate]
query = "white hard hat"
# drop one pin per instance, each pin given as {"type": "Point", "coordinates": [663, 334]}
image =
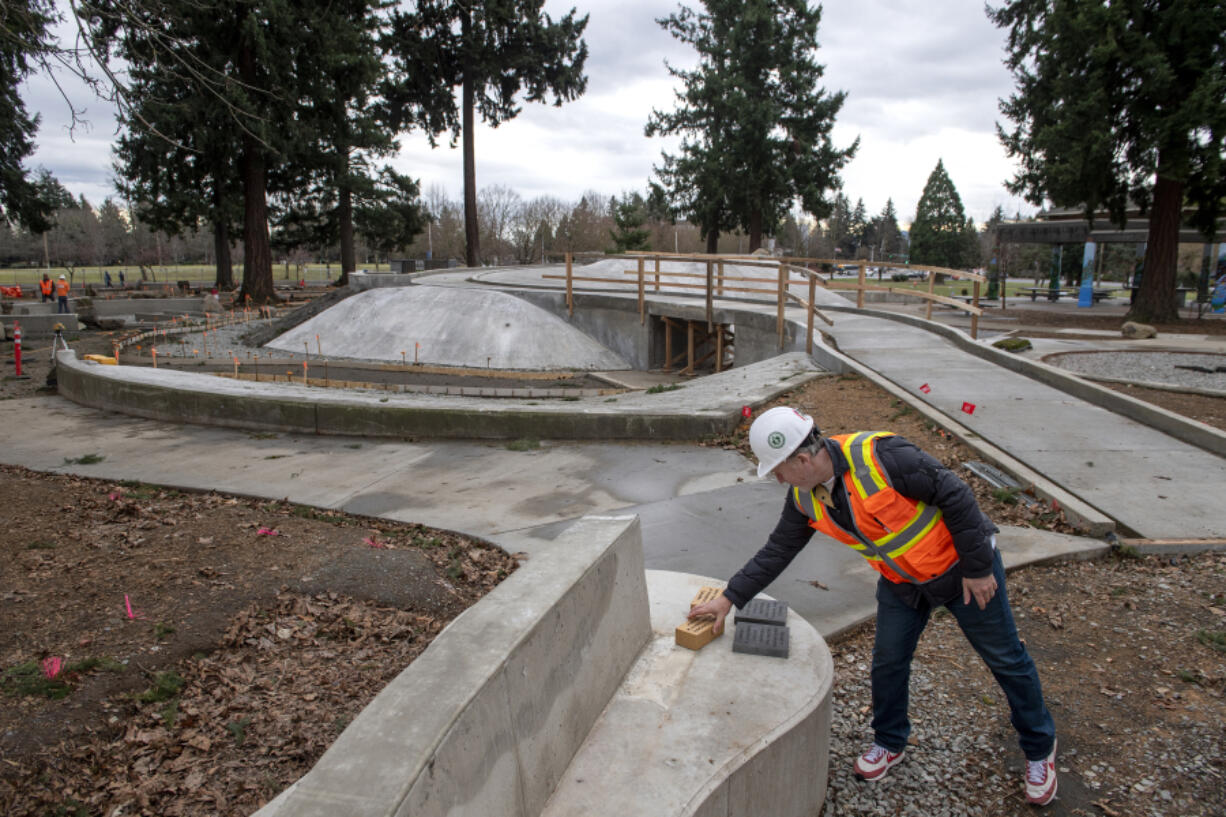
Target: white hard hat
{"type": "Point", "coordinates": [776, 435]}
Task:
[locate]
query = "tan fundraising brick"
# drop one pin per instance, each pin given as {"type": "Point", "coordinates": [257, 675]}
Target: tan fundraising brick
{"type": "Point", "coordinates": [696, 634]}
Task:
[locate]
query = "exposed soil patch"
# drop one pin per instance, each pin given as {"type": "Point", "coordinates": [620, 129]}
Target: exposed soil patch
{"type": "Point", "coordinates": [209, 648]}
{"type": "Point", "coordinates": [1208, 410]}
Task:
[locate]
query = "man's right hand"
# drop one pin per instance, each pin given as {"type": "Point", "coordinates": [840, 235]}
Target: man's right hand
{"type": "Point", "coordinates": [717, 608]}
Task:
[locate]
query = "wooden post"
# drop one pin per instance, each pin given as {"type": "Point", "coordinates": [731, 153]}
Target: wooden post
{"type": "Point", "coordinates": [668, 344]}
{"type": "Point", "coordinates": [860, 292]}
{"type": "Point", "coordinates": [710, 296]}
{"type": "Point", "coordinates": [689, 347]}
{"type": "Point", "coordinates": [570, 288]}
{"type": "Point", "coordinates": [719, 349]}
{"type": "Point", "coordinates": [812, 311]}
{"type": "Point", "coordinates": [782, 301]}
{"type": "Point", "coordinates": [975, 318]}
{"type": "Point", "coordinates": [657, 273]}
{"type": "Point", "coordinates": [720, 278]}
{"type": "Point", "coordinates": [642, 295]}
{"type": "Point", "coordinates": [932, 282]}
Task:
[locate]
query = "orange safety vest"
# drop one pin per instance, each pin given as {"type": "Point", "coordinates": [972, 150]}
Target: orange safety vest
{"type": "Point", "coordinates": [904, 539]}
{"type": "Point", "coordinates": [61, 288]}
{"type": "Point", "coordinates": [46, 286]}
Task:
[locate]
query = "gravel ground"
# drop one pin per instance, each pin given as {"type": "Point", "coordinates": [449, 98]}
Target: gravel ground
{"type": "Point", "coordinates": [1132, 669]}
{"type": "Point", "coordinates": [1167, 368]}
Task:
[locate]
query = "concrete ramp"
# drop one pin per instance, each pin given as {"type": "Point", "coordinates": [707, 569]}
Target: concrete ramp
{"type": "Point", "coordinates": [454, 327]}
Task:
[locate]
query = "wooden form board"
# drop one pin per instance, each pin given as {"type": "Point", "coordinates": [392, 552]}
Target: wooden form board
{"type": "Point", "coordinates": [695, 635]}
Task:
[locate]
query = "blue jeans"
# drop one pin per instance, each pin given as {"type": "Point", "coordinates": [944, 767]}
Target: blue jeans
{"type": "Point", "coordinates": [993, 635]}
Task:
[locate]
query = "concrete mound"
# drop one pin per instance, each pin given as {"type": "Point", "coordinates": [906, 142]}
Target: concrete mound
{"type": "Point", "coordinates": [454, 327]}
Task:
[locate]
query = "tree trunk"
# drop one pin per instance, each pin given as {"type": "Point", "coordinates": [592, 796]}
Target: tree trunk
{"type": "Point", "coordinates": [755, 230]}
{"type": "Point", "coordinates": [257, 254]}
{"type": "Point", "coordinates": [1155, 302]}
{"type": "Point", "coordinates": [713, 242]}
{"type": "Point", "coordinates": [221, 249]}
{"type": "Point", "coordinates": [344, 214]}
{"type": "Point", "coordinates": [472, 252]}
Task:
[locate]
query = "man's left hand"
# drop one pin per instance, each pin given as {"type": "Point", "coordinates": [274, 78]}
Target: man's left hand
{"type": "Point", "coordinates": [982, 590]}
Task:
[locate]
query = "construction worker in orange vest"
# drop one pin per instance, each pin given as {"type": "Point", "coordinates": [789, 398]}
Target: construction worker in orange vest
{"type": "Point", "coordinates": [47, 287]}
{"type": "Point", "coordinates": [61, 295]}
{"type": "Point", "coordinates": [919, 526]}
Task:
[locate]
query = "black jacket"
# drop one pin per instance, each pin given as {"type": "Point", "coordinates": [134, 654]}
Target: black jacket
{"type": "Point", "coordinates": [915, 475]}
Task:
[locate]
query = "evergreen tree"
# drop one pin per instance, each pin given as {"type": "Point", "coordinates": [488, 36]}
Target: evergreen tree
{"type": "Point", "coordinates": [755, 123]}
{"type": "Point", "coordinates": [838, 227]}
{"type": "Point", "coordinates": [887, 235]}
{"type": "Point", "coordinates": [629, 216]}
{"type": "Point", "coordinates": [246, 58]}
{"type": "Point", "coordinates": [490, 50]}
{"type": "Point", "coordinates": [937, 232]}
{"type": "Point", "coordinates": [972, 250]}
{"type": "Point", "coordinates": [345, 126]}
{"type": "Point", "coordinates": [857, 226]}
{"type": "Point", "coordinates": [1120, 103]}
{"type": "Point", "coordinates": [173, 164]}
{"type": "Point", "coordinates": [392, 215]}
{"type": "Point", "coordinates": [24, 37]}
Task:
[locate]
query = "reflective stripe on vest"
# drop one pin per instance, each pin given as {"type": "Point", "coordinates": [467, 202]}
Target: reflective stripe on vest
{"type": "Point", "coordinates": [867, 479]}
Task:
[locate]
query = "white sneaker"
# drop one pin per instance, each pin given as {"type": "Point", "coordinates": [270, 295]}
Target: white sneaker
{"type": "Point", "coordinates": [1041, 779]}
{"type": "Point", "coordinates": [873, 764]}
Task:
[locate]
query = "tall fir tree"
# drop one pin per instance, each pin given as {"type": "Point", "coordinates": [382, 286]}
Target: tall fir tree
{"type": "Point", "coordinates": [754, 120]}
{"type": "Point", "coordinates": [492, 51]}
{"type": "Point", "coordinates": [937, 232]}
{"type": "Point", "coordinates": [173, 164]}
{"type": "Point", "coordinates": [629, 216]}
{"type": "Point", "coordinates": [1116, 104]}
{"type": "Point", "coordinates": [857, 226]}
{"type": "Point", "coordinates": [343, 126]}
{"type": "Point", "coordinates": [25, 38]}
{"type": "Point", "coordinates": [887, 234]}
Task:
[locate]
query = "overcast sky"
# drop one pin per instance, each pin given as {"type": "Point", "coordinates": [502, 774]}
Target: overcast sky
{"type": "Point", "coordinates": [922, 83]}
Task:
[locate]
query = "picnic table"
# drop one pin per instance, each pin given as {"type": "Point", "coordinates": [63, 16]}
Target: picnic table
{"type": "Point", "coordinates": [1072, 292]}
{"type": "Point", "coordinates": [1052, 294]}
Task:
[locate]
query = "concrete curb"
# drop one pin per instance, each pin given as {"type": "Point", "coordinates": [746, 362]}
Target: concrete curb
{"type": "Point", "coordinates": [1181, 428]}
{"type": "Point", "coordinates": [488, 718]}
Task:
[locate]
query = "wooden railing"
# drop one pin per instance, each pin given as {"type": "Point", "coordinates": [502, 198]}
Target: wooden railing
{"type": "Point", "coordinates": [789, 271]}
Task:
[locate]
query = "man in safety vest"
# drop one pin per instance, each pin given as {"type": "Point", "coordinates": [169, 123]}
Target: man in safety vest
{"type": "Point", "coordinates": [920, 527]}
{"type": "Point", "coordinates": [47, 287]}
{"type": "Point", "coordinates": [61, 295]}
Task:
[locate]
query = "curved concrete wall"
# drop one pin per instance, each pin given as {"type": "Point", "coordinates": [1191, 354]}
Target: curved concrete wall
{"type": "Point", "coordinates": [711, 405]}
{"type": "Point", "coordinates": [487, 719]}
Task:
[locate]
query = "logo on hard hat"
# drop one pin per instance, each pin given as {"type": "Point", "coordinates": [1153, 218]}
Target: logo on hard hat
{"type": "Point", "coordinates": [776, 439]}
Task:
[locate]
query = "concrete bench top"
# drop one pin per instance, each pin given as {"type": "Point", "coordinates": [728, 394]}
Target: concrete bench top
{"type": "Point", "coordinates": [710, 732]}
